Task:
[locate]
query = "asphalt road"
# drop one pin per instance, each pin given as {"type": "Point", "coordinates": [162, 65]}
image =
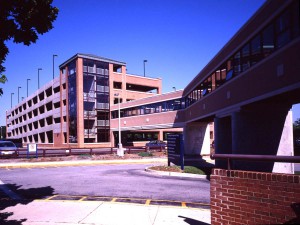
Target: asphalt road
{"type": "Point", "coordinates": [104, 180]}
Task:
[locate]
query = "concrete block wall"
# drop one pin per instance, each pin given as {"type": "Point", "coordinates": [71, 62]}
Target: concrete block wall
{"type": "Point", "coordinates": [246, 197]}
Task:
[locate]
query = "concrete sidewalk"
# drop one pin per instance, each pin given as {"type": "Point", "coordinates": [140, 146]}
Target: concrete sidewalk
{"type": "Point", "coordinates": [9, 165]}
{"type": "Point", "coordinates": [43, 212]}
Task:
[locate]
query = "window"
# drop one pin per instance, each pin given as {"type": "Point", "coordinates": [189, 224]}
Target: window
{"type": "Point", "coordinates": [245, 57]}
{"type": "Point", "coordinates": [268, 44]}
{"type": "Point", "coordinates": [237, 63]}
{"type": "Point", "coordinates": [255, 50]}
{"type": "Point", "coordinates": [283, 31]}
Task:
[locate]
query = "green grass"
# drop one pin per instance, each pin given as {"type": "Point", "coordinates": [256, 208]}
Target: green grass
{"type": "Point", "coordinates": [145, 154]}
{"type": "Point", "coordinates": [187, 169]}
{"type": "Point", "coordinates": [193, 170]}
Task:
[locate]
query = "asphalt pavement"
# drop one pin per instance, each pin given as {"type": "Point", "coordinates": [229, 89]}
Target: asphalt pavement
{"type": "Point", "coordinates": [83, 211]}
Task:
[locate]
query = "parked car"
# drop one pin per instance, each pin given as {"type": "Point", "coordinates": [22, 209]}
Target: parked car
{"type": "Point", "coordinates": [7, 148]}
{"type": "Point", "coordinates": [156, 144]}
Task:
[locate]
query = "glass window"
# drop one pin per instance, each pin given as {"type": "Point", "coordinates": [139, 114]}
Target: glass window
{"type": "Point", "coordinates": [268, 44]}
{"type": "Point", "coordinates": [245, 57]}
{"type": "Point", "coordinates": [237, 63]}
{"type": "Point", "coordinates": [256, 50]}
{"type": "Point", "coordinates": [283, 32]}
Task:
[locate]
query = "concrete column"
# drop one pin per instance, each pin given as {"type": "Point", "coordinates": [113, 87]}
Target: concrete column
{"type": "Point", "coordinates": [264, 129]}
{"type": "Point", "coordinates": [160, 135]}
{"type": "Point", "coordinates": [286, 146]}
{"type": "Point", "coordinates": [223, 139]}
{"type": "Point", "coordinates": [196, 138]}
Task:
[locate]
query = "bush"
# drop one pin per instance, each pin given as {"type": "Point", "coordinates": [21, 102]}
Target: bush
{"type": "Point", "coordinates": [145, 154]}
{"type": "Point", "coordinates": [193, 170]}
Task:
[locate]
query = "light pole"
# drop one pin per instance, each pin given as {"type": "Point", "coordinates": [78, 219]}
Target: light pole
{"type": "Point", "coordinates": [11, 94]}
{"type": "Point", "coordinates": [39, 77]}
{"type": "Point", "coordinates": [145, 60]}
{"type": "Point", "coordinates": [1, 131]}
{"type": "Point", "coordinates": [53, 56]}
{"type": "Point", "coordinates": [120, 151]}
{"type": "Point", "coordinates": [27, 86]}
{"type": "Point", "coordinates": [18, 94]}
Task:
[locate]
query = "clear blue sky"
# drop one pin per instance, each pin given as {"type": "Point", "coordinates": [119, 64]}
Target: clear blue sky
{"type": "Point", "coordinates": [178, 38]}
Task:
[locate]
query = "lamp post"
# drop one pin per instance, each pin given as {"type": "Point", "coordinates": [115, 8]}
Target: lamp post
{"type": "Point", "coordinates": [53, 56]}
{"type": "Point", "coordinates": [39, 77]}
{"type": "Point", "coordinates": [11, 94]}
{"type": "Point", "coordinates": [1, 132]}
{"type": "Point", "coordinates": [27, 86]}
{"type": "Point", "coordinates": [145, 60]}
{"type": "Point", "coordinates": [18, 94]}
{"type": "Point", "coordinates": [120, 151]}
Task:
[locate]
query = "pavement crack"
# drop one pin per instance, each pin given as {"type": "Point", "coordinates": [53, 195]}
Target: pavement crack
{"type": "Point", "coordinates": [80, 221]}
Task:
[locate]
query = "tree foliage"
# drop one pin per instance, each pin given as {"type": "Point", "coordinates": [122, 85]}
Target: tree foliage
{"type": "Point", "coordinates": [22, 21]}
{"type": "Point", "coordinates": [296, 124]}
{"type": "Point", "coordinates": [3, 79]}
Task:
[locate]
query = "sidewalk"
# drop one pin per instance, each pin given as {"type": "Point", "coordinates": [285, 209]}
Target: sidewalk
{"type": "Point", "coordinates": [42, 212]}
{"type": "Point", "coordinates": [10, 165]}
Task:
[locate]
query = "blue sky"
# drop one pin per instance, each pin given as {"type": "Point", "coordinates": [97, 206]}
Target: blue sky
{"type": "Point", "coordinates": [178, 38]}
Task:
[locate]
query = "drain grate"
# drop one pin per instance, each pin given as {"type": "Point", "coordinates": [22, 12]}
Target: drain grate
{"type": "Point", "coordinates": [131, 200]}
{"type": "Point", "coordinates": [162, 202]}
{"type": "Point", "coordinates": [104, 199]}
{"type": "Point", "coordinates": [65, 197]}
{"type": "Point", "coordinates": [197, 205]}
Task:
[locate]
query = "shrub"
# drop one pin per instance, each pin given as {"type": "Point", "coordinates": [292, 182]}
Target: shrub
{"type": "Point", "coordinates": [145, 154]}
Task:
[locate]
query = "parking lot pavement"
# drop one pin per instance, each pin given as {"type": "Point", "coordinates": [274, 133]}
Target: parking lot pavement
{"type": "Point", "coordinates": [43, 212]}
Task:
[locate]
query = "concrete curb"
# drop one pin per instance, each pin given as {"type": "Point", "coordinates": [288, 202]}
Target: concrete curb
{"type": "Point", "coordinates": [175, 174]}
{"type": "Point", "coordinates": [80, 163]}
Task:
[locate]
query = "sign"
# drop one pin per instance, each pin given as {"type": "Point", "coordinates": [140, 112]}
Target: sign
{"type": "Point", "coordinates": [32, 148]}
{"type": "Point", "coordinates": [175, 149]}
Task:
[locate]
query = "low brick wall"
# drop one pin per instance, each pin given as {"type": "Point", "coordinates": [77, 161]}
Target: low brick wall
{"type": "Point", "coordinates": [243, 197]}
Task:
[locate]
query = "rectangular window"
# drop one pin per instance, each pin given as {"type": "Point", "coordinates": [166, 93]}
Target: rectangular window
{"type": "Point", "coordinates": [237, 63]}
{"type": "Point", "coordinates": [256, 50]}
{"type": "Point", "coordinates": [268, 43]}
{"type": "Point", "coordinates": [245, 57]}
{"type": "Point", "coordinates": [283, 31]}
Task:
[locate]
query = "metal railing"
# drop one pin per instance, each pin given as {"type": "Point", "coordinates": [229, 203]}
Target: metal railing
{"type": "Point", "coordinates": [22, 152]}
{"type": "Point", "coordinates": [266, 158]}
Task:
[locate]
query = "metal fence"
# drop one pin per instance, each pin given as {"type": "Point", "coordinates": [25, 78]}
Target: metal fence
{"type": "Point", "coordinates": [43, 152]}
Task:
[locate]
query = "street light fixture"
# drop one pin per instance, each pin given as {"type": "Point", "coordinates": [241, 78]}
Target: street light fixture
{"type": "Point", "coordinates": [27, 86]}
{"type": "Point", "coordinates": [174, 88]}
{"type": "Point", "coordinates": [145, 60]}
{"type": "Point", "coordinates": [18, 94]}
{"type": "Point", "coordinates": [120, 151]}
{"type": "Point", "coordinates": [53, 56]}
{"type": "Point", "coordinates": [39, 77]}
{"type": "Point", "coordinates": [11, 94]}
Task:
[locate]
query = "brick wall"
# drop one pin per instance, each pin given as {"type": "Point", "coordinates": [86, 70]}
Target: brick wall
{"type": "Point", "coordinates": [243, 197]}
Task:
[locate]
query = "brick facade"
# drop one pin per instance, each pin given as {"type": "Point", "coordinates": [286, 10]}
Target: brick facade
{"type": "Point", "coordinates": [244, 197]}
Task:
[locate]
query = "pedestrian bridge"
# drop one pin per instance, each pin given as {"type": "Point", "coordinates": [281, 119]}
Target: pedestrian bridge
{"type": "Point", "coordinates": [247, 90]}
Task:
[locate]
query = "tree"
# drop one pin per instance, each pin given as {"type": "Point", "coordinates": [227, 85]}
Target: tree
{"type": "Point", "coordinates": [22, 21]}
{"type": "Point", "coordinates": [3, 79]}
{"type": "Point", "coordinates": [296, 124]}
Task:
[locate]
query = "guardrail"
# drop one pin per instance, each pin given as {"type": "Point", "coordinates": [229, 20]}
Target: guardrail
{"type": "Point", "coordinates": [22, 152]}
{"type": "Point", "coordinates": [267, 158]}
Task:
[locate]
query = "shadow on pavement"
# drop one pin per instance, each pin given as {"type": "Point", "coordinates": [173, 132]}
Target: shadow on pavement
{"type": "Point", "coordinates": [192, 221]}
{"type": "Point", "coordinates": [12, 195]}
